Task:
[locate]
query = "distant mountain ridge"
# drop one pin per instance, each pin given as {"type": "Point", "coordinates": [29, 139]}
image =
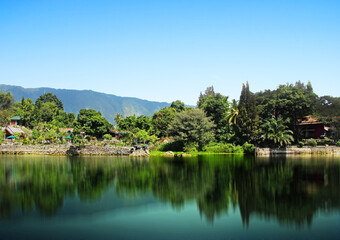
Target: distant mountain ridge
{"type": "Point", "coordinates": [74, 100]}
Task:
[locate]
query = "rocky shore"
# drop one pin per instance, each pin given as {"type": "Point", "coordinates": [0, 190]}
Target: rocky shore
{"type": "Point", "coordinates": [71, 150]}
{"type": "Point", "coordinates": [332, 150]}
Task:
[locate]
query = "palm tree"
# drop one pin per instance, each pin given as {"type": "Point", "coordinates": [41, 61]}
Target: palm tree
{"type": "Point", "coordinates": [117, 117]}
{"type": "Point", "coordinates": [277, 132]}
{"type": "Point", "coordinates": [233, 113]}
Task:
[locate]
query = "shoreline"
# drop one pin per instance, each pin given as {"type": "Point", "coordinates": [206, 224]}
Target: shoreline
{"type": "Point", "coordinates": [72, 150]}
{"type": "Point", "coordinates": [108, 150]}
{"type": "Point", "coordinates": [294, 150]}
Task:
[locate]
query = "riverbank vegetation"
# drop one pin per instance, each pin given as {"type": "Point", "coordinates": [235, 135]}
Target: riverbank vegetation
{"type": "Point", "coordinates": [217, 124]}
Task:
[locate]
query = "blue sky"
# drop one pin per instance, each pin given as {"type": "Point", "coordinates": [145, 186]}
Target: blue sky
{"type": "Point", "coordinates": [169, 50]}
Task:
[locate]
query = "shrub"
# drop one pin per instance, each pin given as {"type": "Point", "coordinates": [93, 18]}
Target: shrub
{"type": "Point", "coordinates": [175, 146]}
{"type": "Point", "coordinates": [107, 137]}
{"type": "Point", "coordinates": [248, 148]}
{"type": "Point", "coordinates": [213, 147]}
{"type": "Point", "coordinates": [301, 143]}
{"type": "Point", "coordinates": [77, 139]}
{"type": "Point", "coordinates": [223, 148]}
{"type": "Point", "coordinates": [338, 143]}
{"type": "Point", "coordinates": [40, 139]}
{"type": "Point", "coordinates": [313, 143]}
{"type": "Point", "coordinates": [227, 148]}
{"type": "Point", "coordinates": [191, 147]}
{"type": "Point", "coordinates": [237, 149]}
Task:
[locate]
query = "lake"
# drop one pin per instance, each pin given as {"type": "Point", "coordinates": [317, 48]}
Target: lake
{"type": "Point", "coordinates": [202, 197]}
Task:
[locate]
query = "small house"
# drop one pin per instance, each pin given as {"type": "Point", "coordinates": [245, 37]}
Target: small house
{"type": "Point", "coordinates": [15, 121]}
{"type": "Point", "coordinates": [311, 127]}
{"type": "Point", "coordinates": [12, 131]}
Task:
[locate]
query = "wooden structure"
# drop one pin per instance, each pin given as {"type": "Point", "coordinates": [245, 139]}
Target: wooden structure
{"type": "Point", "coordinates": [11, 131]}
{"type": "Point", "coordinates": [15, 121]}
{"type": "Point", "coordinates": [311, 127]}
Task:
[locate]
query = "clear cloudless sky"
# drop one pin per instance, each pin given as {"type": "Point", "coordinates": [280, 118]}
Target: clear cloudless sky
{"type": "Point", "coordinates": [168, 50]}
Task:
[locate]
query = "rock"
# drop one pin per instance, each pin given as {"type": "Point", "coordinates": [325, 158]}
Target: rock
{"type": "Point", "coordinates": [168, 154]}
{"type": "Point", "coordinates": [140, 153]}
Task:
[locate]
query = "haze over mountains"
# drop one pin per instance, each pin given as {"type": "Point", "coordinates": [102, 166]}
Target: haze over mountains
{"type": "Point", "coordinates": [74, 100]}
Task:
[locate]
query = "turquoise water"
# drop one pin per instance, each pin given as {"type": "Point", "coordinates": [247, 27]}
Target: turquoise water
{"type": "Point", "coordinates": [204, 197]}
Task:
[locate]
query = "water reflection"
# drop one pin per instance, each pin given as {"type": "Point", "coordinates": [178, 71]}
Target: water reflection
{"type": "Point", "coordinates": [292, 190]}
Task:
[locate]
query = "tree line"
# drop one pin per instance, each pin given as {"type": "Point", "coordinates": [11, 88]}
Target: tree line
{"type": "Point", "coordinates": [266, 118]}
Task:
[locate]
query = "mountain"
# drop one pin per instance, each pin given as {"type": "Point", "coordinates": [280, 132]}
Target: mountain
{"type": "Point", "coordinates": [74, 100]}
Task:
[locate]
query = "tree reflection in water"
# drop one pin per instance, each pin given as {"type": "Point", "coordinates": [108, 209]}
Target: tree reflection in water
{"type": "Point", "coordinates": [289, 190]}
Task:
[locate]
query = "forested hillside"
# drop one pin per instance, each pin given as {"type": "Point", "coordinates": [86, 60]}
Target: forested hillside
{"type": "Point", "coordinates": [74, 100]}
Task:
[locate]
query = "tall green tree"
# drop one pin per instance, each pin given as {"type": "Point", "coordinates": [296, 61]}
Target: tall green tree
{"type": "Point", "coordinates": [178, 105]}
{"type": "Point", "coordinates": [162, 119]}
{"type": "Point", "coordinates": [144, 123]}
{"type": "Point", "coordinates": [216, 106]}
{"type": "Point", "coordinates": [6, 100]}
{"type": "Point", "coordinates": [128, 123]}
{"type": "Point", "coordinates": [208, 92]}
{"type": "Point", "coordinates": [93, 123]}
{"type": "Point", "coordinates": [288, 101]}
{"type": "Point", "coordinates": [118, 117]}
{"type": "Point", "coordinates": [328, 111]}
{"type": "Point", "coordinates": [248, 119]}
{"type": "Point", "coordinates": [25, 110]}
{"type": "Point", "coordinates": [49, 97]}
{"type": "Point", "coordinates": [6, 107]}
{"type": "Point", "coordinates": [192, 127]}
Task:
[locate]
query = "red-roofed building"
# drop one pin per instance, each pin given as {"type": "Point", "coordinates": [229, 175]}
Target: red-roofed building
{"type": "Point", "coordinates": [311, 127]}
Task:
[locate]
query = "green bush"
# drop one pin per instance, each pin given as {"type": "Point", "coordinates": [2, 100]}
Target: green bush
{"type": "Point", "coordinates": [77, 139]}
{"type": "Point", "coordinates": [213, 149]}
{"type": "Point", "coordinates": [223, 148]}
{"type": "Point", "coordinates": [192, 147]}
{"type": "Point", "coordinates": [174, 146]}
{"type": "Point", "coordinates": [301, 143]}
{"type": "Point", "coordinates": [313, 143]}
{"type": "Point", "coordinates": [248, 148]}
{"type": "Point", "coordinates": [26, 141]}
{"type": "Point", "coordinates": [338, 143]}
{"type": "Point", "coordinates": [107, 137]}
{"type": "Point", "coordinates": [237, 149]}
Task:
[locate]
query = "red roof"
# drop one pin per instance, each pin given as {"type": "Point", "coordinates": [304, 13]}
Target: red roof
{"type": "Point", "coordinates": [309, 120]}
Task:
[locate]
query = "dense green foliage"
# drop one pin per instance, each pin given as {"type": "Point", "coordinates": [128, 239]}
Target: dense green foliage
{"type": "Point", "coordinates": [247, 119]}
{"type": "Point", "coordinates": [6, 107]}
{"type": "Point", "coordinates": [275, 132]}
{"type": "Point", "coordinates": [222, 148]}
{"type": "Point", "coordinates": [289, 102]}
{"type": "Point", "coordinates": [192, 127]}
{"type": "Point", "coordinates": [92, 122]}
{"type": "Point", "coordinates": [267, 118]}
{"type": "Point", "coordinates": [328, 111]}
{"type": "Point", "coordinates": [49, 98]}
{"type": "Point", "coordinates": [215, 105]}
{"type": "Point", "coordinates": [178, 105]}
{"type": "Point", "coordinates": [162, 119]}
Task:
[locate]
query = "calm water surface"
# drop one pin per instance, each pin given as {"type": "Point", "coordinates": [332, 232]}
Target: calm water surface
{"type": "Point", "coordinates": [204, 197]}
